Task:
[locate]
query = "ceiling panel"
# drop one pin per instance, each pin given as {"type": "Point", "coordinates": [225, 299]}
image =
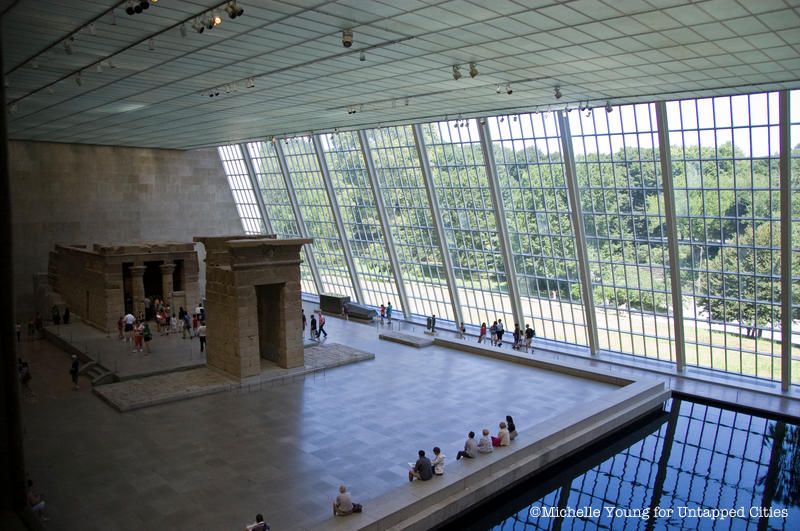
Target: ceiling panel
{"type": "Point", "coordinates": [281, 69]}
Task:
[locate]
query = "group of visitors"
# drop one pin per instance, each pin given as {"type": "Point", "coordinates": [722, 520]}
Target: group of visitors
{"type": "Point", "coordinates": [137, 330]}
{"type": "Point", "coordinates": [522, 338]}
{"type": "Point", "coordinates": [506, 433]}
{"type": "Point", "coordinates": [58, 317]}
{"type": "Point", "coordinates": [317, 327]}
{"type": "Point", "coordinates": [424, 468]}
{"type": "Point", "coordinates": [386, 312]}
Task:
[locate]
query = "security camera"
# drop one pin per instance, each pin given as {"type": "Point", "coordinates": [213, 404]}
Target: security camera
{"type": "Point", "coordinates": [347, 38]}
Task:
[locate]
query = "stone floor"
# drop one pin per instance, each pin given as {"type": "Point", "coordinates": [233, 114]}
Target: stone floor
{"type": "Point", "coordinates": [214, 461]}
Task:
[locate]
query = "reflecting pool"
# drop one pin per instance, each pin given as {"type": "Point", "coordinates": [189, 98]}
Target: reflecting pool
{"type": "Point", "coordinates": [695, 466]}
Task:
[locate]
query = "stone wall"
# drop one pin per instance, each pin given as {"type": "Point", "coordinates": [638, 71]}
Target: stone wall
{"type": "Point", "coordinates": [67, 193]}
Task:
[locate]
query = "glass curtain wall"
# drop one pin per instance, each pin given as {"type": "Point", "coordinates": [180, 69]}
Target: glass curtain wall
{"type": "Point", "coordinates": [403, 192]}
{"type": "Point", "coordinates": [272, 187]}
{"type": "Point", "coordinates": [618, 172]}
{"type": "Point", "coordinates": [531, 174]}
{"type": "Point", "coordinates": [725, 168]}
{"type": "Point", "coordinates": [362, 225]}
{"type": "Point", "coordinates": [315, 210]}
{"type": "Point", "coordinates": [462, 189]}
{"type": "Point", "coordinates": [241, 188]}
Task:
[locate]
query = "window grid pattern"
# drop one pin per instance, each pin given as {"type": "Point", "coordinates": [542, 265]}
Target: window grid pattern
{"type": "Point", "coordinates": [459, 176]}
{"type": "Point", "coordinates": [794, 163]}
{"type": "Point", "coordinates": [725, 168]}
{"type": "Point", "coordinates": [363, 230]}
{"type": "Point", "coordinates": [277, 203]}
{"type": "Point", "coordinates": [717, 458]}
{"type": "Point", "coordinates": [409, 215]}
{"type": "Point", "coordinates": [618, 172]}
{"type": "Point", "coordinates": [531, 174]}
{"type": "Point", "coordinates": [242, 189]}
{"type": "Point", "coordinates": [315, 208]}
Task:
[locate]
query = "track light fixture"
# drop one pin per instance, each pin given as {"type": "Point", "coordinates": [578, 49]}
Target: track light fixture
{"type": "Point", "coordinates": [509, 90]}
{"type": "Point", "coordinates": [198, 26]}
{"type": "Point", "coordinates": [347, 38]}
{"type": "Point", "coordinates": [134, 7]}
{"type": "Point", "coordinates": [362, 57]}
{"type": "Point", "coordinates": [234, 10]}
{"type": "Point", "coordinates": [68, 45]}
{"type": "Point", "coordinates": [609, 108]}
{"type": "Point", "coordinates": [588, 112]}
{"type": "Point", "coordinates": [498, 89]}
{"type": "Point", "coordinates": [151, 44]}
{"type": "Point", "coordinates": [78, 80]}
{"type": "Point", "coordinates": [352, 110]}
{"type": "Point", "coordinates": [473, 70]}
{"type": "Point", "coordinates": [183, 30]}
{"type": "Point", "coordinates": [557, 92]}
{"type": "Point", "coordinates": [456, 72]}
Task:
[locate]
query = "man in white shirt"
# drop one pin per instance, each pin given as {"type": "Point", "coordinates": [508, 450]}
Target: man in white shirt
{"type": "Point", "coordinates": [129, 319]}
{"type": "Point", "coordinates": [201, 333]}
{"type": "Point", "coordinates": [344, 503]}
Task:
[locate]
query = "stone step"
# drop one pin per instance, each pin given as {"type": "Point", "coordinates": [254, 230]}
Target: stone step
{"type": "Point", "coordinates": [410, 340]}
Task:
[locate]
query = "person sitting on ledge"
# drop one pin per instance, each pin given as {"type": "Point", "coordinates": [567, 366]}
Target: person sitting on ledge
{"type": "Point", "coordinates": [259, 525]}
{"type": "Point", "coordinates": [485, 444]}
{"type": "Point", "coordinates": [502, 438]}
{"type": "Point", "coordinates": [344, 504]}
{"type": "Point", "coordinates": [512, 428]}
{"type": "Point", "coordinates": [438, 462]}
{"type": "Point", "coordinates": [422, 468]}
{"type": "Point", "coordinates": [470, 447]}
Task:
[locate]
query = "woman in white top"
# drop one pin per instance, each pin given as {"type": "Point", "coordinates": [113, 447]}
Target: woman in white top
{"type": "Point", "coordinates": [503, 438]}
{"type": "Point", "coordinates": [438, 461]}
{"type": "Point", "coordinates": [485, 444]}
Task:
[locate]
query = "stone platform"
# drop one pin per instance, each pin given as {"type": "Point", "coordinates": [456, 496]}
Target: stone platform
{"type": "Point", "coordinates": [409, 340]}
{"type": "Point", "coordinates": [164, 388]}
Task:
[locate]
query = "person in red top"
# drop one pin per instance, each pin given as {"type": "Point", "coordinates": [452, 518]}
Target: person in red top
{"type": "Point", "coordinates": [321, 326]}
{"type": "Point", "coordinates": [482, 335]}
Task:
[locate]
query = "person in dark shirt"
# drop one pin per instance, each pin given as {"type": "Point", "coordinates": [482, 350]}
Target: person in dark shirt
{"type": "Point", "coordinates": [74, 370]}
{"type": "Point", "coordinates": [422, 468]}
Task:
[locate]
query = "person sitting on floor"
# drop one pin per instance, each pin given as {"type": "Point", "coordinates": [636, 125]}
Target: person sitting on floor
{"type": "Point", "coordinates": [502, 438]}
{"type": "Point", "coordinates": [470, 447]}
{"type": "Point", "coordinates": [423, 470]}
{"type": "Point", "coordinates": [485, 444]}
{"type": "Point", "coordinates": [259, 525]}
{"type": "Point", "coordinates": [438, 462]}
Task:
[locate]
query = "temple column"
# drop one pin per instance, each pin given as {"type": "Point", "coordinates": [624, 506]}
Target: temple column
{"type": "Point", "coordinates": [137, 286]}
{"type": "Point", "coordinates": [166, 281]}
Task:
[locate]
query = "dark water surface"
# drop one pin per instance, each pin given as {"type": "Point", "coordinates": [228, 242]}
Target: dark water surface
{"type": "Point", "coordinates": [695, 466]}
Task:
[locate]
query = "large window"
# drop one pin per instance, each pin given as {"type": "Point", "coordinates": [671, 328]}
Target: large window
{"type": "Point", "coordinates": [794, 141]}
{"type": "Point", "coordinates": [531, 174]}
{"type": "Point", "coordinates": [725, 169]}
{"type": "Point", "coordinates": [403, 192]}
{"type": "Point", "coordinates": [618, 173]}
{"type": "Point", "coordinates": [362, 226]}
{"type": "Point", "coordinates": [241, 188]}
{"type": "Point", "coordinates": [272, 187]}
{"type": "Point", "coordinates": [315, 209]}
{"type": "Point", "coordinates": [462, 188]}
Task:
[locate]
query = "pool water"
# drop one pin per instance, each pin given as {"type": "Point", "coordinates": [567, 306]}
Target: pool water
{"type": "Point", "coordinates": [694, 466]}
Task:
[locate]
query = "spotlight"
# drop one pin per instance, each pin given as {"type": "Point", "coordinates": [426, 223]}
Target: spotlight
{"type": "Point", "coordinates": [609, 108]}
{"type": "Point", "coordinates": [509, 90]}
{"type": "Point", "coordinates": [216, 19]}
{"type": "Point", "coordinates": [588, 112]}
{"type": "Point", "coordinates": [137, 8]}
{"type": "Point", "coordinates": [515, 118]}
{"type": "Point", "coordinates": [498, 89]}
{"type": "Point", "coordinates": [557, 93]}
{"type": "Point", "coordinates": [473, 70]}
{"type": "Point", "coordinates": [197, 25]}
{"type": "Point", "coordinates": [145, 4]}
{"type": "Point", "coordinates": [456, 72]}
{"type": "Point", "coordinates": [99, 68]}
{"type": "Point", "coordinates": [129, 8]}
{"type": "Point", "coordinates": [234, 10]}
{"type": "Point", "coordinates": [362, 57]}
{"type": "Point", "coordinates": [183, 30]}
{"type": "Point", "coordinates": [209, 23]}
{"type": "Point", "coordinates": [68, 46]}
{"type": "Point", "coordinates": [347, 38]}
{"type": "Point", "coordinates": [151, 44]}
{"type": "Point", "coordinates": [92, 29]}
{"type": "Point", "coordinates": [78, 80]}
{"type": "Point", "coordinates": [251, 82]}
{"type": "Point", "coordinates": [502, 119]}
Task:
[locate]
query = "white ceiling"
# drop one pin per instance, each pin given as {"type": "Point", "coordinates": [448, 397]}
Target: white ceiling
{"type": "Point", "coordinates": [305, 80]}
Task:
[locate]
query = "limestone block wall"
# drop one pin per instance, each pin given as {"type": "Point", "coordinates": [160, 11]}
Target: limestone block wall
{"type": "Point", "coordinates": [85, 292]}
{"type": "Point", "coordinates": [223, 306]}
{"type": "Point", "coordinates": [67, 193]}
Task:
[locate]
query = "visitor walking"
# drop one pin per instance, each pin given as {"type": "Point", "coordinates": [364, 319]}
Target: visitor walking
{"type": "Point", "coordinates": [482, 334]}
{"type": "Point", "coordinates": [313, 328]}
{"type": "Point", "coordinates": [74, 370]}
{"type": "Point", "coordinates": [129, 319]}
{"type": "Point", "coordinates": [138, 336]}
{"type": "Point", "coordinates": [500, 332]}
{"type": "Point", "coordinates": [66, 316]}
{"type": "Point", "coordinates": [321, 326]}
{"type": "Point", "coordinates": [147, 335]}
{"type": "Point", "coordinates": [201, 333]}
{"type": "Point", "coordinates": [389, 311]}
{"type": "Point", "coordinates": [529, 333]}
{"type": "Point", "coordinates": [383, 312]}
{"type": "Point", "coordinates": [303, 317]}
{"type": "Point", "coordinates": [493, 331]}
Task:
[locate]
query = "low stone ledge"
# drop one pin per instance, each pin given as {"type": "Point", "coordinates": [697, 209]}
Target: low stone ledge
{"type": "Point", "coordinates": [406, 339]}
{"type": "Point", "coordinates": [423, 505]}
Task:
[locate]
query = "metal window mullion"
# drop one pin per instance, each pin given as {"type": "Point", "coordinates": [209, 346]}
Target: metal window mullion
{"type": "Point", "coordinates": [501, 223]}
{"type": "Point", "coordinates": [576, 215]}
{"type": "Point", "coordinates": [670, 215]}
{"type": "Point", "coordinates": [384, 220]}
{"type": "Point", "coordinates": [786, 240]}
{"type": "Point", "coordinates": [298, 218]}
{"type": "Point", "coordinates": [251, 172]}
{"type": "Point", "coordinates": [422, 153]}
{"type": "Point", "coordinates": [337, 216]}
